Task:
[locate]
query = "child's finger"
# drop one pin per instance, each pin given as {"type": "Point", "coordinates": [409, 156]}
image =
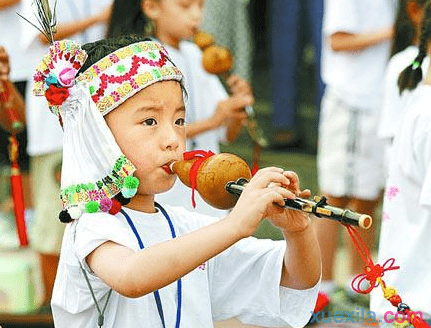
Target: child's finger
{"type": "Point", "coordinates": [263, 178]}
{"type": "Point", "coordinates": [294, 181]}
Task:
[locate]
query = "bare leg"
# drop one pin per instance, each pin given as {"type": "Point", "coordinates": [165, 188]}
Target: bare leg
{"type": "Point", "coordinates": [49, 263]}
{"type": "Point", "coordinates": [327, 234]}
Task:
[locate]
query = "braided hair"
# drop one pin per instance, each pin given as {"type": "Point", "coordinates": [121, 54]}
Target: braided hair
{"type": "Point", "coordinates": [404, 28]}
{"type": "Point", "coordinates": [412, 74]}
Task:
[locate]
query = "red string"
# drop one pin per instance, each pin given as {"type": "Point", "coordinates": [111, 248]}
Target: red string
{"type": "Point", "coordinates": [375, 271]}
{"type": "Point", "coordinates": [372, 271]}
{"type": "Point", "coordinates": [202, 156]}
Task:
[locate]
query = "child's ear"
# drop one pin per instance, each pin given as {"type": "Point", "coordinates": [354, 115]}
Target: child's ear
{"type": "Point", "coordinates": [151, 8]}
{"type": "Point", "coordinates": [414, 11]}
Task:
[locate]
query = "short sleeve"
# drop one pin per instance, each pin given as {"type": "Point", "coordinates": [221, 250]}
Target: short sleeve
{"type": "Point", "coordinates": [245, 283]}
{"type": "Point", "coordinates": [340, 16]}
{"type": "Point", "coordinates": [92, 230]}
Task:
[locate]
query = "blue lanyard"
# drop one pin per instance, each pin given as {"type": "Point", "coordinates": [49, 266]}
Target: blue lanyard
{"type": "Point", "coordinates": [156, 293]}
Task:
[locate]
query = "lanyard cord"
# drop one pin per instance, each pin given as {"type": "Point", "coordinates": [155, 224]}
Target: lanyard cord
{"type": "Point", "coordinates": [100, 319]}
{"type": "Point", "coordinates": [156, 293]}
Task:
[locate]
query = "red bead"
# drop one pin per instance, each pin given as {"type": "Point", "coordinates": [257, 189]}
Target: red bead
{"type": "Point", "coordinates": [116, 207]}
{"type": "Point", "coordinates": [395, 300]}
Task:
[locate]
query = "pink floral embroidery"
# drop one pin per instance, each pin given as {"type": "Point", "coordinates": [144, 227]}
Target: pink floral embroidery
{"type": "Point", "coordinates": [385, 217]}
{"type": "Point", "coordinates": [392, 192]}
{"type": "Point", "coordinates": [94, 195]}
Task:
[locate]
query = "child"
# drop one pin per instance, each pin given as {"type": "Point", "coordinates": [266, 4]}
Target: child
{"type": "Point", "coordinates": [404, 51]}
{"type": "Point", "coordinates": [356, 48]}
{"type": "Point", "coordinates": [123, 115]}
{"type": "Point", "coordinates": [212, 116]}
{"type": "Point", "coordinates": [407, 202]}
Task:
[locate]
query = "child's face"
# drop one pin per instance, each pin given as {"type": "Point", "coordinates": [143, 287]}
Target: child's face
{"type": "Point", "coordinates": [175, 20]}
{"type": "Point", "coordinates": [149, 128]}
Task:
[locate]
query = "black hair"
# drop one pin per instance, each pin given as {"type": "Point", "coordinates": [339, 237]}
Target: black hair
{"type": "Point", "coordinates": [127, 18]}
{"type": "Point", "coordinates": [100, 49]}
{"type": "Point", "coordinates": [412, 74]}
{"type": "Point", "coordinates": [404, 29]}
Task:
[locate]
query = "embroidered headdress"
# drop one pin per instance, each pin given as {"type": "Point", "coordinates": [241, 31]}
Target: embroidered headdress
{"type": "Point", "coordinates": [96, 175]}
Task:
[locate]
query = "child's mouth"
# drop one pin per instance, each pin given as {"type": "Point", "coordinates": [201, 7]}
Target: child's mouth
{"type": "Point", "coordinates": [167, 168]}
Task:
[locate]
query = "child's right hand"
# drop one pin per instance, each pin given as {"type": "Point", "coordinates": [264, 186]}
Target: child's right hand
{"type": "Point", "coordinates": [232, 108]}
{"type": "Point", "coordinates": [264, 191]}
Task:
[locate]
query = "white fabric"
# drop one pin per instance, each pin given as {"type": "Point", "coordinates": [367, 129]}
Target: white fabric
{"type": "Point", "coordinates": [10, 27]}
{"type": "Point", "coordinates": [394, 104]}
{"type": "Point", "coordinates": [406, 217]}
{"type": "Point", "coordinates": [204, 91]}
{"type": "Point", "coordinates": [242, 281]}
{"type": "Point", "coordinates": [356, 77]}
{"type": "Point", "coordinates": [44, 132]}
{"type": "Point", "coordinates": [349, 156]}
{"type": "Point", "coordinates": [85, 135]}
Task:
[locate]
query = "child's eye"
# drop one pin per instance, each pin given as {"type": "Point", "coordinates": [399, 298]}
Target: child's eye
{"type": "Point", "coordinates": [180, 121]}
{"type": "Point", "coordinates": [150, 121]}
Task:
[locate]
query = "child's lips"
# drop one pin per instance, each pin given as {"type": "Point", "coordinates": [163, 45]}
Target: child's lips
{"type": "Point", "coordinates": [167, 168]}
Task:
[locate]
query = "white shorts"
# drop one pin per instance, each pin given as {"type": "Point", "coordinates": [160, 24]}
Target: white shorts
{"type": "Point", "coordinates": [350, 155]}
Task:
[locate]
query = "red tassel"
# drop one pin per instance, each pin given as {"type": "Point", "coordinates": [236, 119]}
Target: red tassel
{"type": "Point", "coordinates": [18, 196]}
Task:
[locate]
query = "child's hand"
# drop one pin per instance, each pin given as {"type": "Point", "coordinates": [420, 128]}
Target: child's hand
{"type": "Point", "coordinates": [4, 64]}
{"type": "Point", "coordinates": [289, 220]}
{"type": "Point", "coordinates": [239, 86]}
{"type": "Point", "coordinates": [263, 197]}
{"type": "Point", "coordinates": [232, 108]}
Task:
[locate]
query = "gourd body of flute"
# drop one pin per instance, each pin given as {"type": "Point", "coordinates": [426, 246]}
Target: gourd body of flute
{"type": "Point", "coordinates": [212, 177]}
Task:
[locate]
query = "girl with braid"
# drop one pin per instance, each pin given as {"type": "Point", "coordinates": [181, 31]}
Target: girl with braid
{"type": "Point", "coordinates": [404, 50]}
{"type": "Point", "coordinates": [407, 201]}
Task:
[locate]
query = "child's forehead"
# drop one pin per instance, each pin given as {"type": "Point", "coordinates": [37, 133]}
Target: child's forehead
{"type": "Point", "coordinates": [160, 96]}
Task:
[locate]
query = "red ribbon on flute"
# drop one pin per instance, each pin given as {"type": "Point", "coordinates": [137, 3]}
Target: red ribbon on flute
{"type": "Point", "coordinates": [15, 177]}
{"type": "Point", "coordinates": [202, 155]}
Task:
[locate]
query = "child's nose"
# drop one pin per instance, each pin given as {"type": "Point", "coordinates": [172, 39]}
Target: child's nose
{"type": "Point", "coordinates": [169, 138]}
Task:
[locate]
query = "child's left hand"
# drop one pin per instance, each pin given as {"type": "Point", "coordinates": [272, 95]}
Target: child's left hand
{"type": "Point", "coordinates": [286, 219]}
{"type": "Point", "coordinates": [239, 86]}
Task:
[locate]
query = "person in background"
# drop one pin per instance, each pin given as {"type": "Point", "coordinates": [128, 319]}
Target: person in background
{"type": "Point", "coordinates": [20, 71]}
{"type": "Point", "coordinates": [356, 45]}
{"type": "Point", "coordinates": [79, 20]}
{"type": "Point", "coordinates": [407, 199]}
{"type": "Point", "coordinates": [294, 23]}
{"type": "Point", "coordinates": [404, 50]}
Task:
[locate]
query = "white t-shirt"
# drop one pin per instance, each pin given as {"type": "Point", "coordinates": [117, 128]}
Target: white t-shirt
{"type": "Point", "coordinates": [10, 34]}
{"type": "Point", "coordinates": [356, 77]}
{"type": "Point", "coordinates": [204, 91]}
{"type": "Point", "coordinates": [44, 131]}
{"type": "Point", "coordinates": [242, 281]}
{"type": "Point", "coordinates": [406, 217]}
